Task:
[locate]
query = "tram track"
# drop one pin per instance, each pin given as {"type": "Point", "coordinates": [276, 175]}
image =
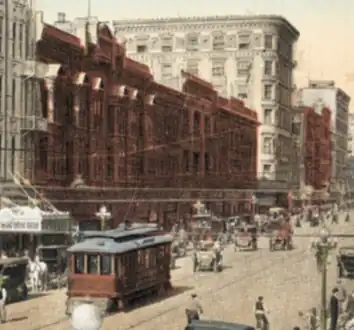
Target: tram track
{"type": "Point", "coordinates": [245, 267]}
{"type": "Point", "coordinates": [237, 280]}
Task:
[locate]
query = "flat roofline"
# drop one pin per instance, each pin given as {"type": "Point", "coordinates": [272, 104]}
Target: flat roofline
{"type": "Point", "coordinates": [208, 19]}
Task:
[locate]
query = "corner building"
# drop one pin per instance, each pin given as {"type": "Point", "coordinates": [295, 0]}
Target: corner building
{"type": "Point", "coordinates": [113, 125]}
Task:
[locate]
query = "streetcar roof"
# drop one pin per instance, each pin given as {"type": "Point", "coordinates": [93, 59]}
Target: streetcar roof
{"type": "Point", "coordinates": [217, 325]}
{"type": "Point", "coordinates": [10, 261]}
{"type": "Point", "coordinates": [106, 245]}
{"type": "Point", "coordinates": [122, 231]}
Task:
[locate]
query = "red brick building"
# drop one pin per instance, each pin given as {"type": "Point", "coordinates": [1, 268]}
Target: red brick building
{"type": "Point", "coordinates": [318, 147]}
{"type": "Point", "coordinates": [111, 123]}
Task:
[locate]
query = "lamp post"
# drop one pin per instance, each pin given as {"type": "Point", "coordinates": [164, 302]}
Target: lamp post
{"type": "Point", "coordinates": [253, 202]}
{"type": "Point", "coordinates": [103, 214]}
{"type": "Point", "coordinates": [323, 245]}
{"type": "Point", "coordinates": [86, 317]}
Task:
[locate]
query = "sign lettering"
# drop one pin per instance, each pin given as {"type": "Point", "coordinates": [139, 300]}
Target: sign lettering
{"type": "Point", "coordinates": [20, 225]}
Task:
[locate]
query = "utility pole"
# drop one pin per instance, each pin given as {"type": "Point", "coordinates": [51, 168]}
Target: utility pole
{"type": "Point", "coordinates": [6, 87]}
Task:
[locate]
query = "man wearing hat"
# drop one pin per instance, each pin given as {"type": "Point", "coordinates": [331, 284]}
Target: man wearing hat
{"type": "Point", "coordinates": [3, 296]}
{"type": "Point", "coordinates": [193, 309]}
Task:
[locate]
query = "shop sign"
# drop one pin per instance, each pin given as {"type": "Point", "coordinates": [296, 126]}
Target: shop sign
{"type": "Point", "coordinates": [20, 225]}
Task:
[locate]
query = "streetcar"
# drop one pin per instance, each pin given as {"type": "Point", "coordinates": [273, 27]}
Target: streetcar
{"type": "Point", "coordinates": [116, 267]}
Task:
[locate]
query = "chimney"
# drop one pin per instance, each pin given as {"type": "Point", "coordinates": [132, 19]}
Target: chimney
{"type": "Point", "coordinates": [61, 17]}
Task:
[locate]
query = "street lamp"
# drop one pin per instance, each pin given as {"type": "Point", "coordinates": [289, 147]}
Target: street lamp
{"type": "Point", "coordinates": [323, 244]}
{"type": "Point", "coordinates": [86, 317]}
{"type": "Point", "coordinates": [253, 202]}
{"type": "Point", "coordinates": [103, 214]}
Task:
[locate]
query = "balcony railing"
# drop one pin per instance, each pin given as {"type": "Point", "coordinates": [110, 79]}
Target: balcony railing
{"type": "Point", "coordinates": [34, 123]}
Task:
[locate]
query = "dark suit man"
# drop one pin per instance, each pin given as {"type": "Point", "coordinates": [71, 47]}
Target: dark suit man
{"type": "Point", "coordinates": [334, 309]}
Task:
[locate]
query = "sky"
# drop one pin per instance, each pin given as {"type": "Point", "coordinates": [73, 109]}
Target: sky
{"type": "Point", "coordinates": [325, 49]}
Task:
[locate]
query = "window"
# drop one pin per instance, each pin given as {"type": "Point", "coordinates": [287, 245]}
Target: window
{"type": "Point", "coordinates": [242, 92]}
{"type": "Point", "coordinates": [14, 26]}
{"type": "Point", "coordinates": [0, 93]}
{"type": "Point", "coordinates": [13, 154]}
{"type": "Point", "coordinates": [218, 41]}
{"type": "Point", "coordinates": [193, 67]}
{"type": "Point", "coordinates": [267, 145]}
{"type": "Point", "coordinates": [13, 96]}
{"type": "Point", "coordinates": [267, 167]}
{"type": "Point", "coordinates": [92, 264]}
{"type": "Point", "coordinates": [243, 68]}
{"type": "Point", "coordinates": [20, 40]}
{"type": "Point", "coordinates": [192, 41]}
{"type": "Point", "coordinates": [141, 49]}
{"type": "Point", "coordinates": [166, 70]}
{"type": "Point", "coordinates": [244, 41]}
{"type": "Point", "coordinates": [79, 263]}
{"type": "Point", "coordinates": [105, 265]}
{"type": "Point", "coordinates": [268, 117]}
{"type": "Point", "coordinates": [1, 32]}
{"type": "Point", "coordinates": [268, 68]}
{"type": "Point", "coordinates": [268, 41]}
{"type": "Point", "coordinates": [218, 68]}
{"type": "Point", "coordinates": [167, 44]}
{"type": "Point", "coordinates": [268, 90]}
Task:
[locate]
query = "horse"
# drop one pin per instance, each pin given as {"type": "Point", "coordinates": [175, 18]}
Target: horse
{"type": "Point", "coordinates": [38, 274]}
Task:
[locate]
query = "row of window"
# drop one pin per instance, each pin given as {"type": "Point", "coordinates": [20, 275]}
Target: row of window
{"type": "Point", "coordinates": [279, 145]}
{"type": "Point", "coordinates": [19, 36]}
{"type": "Point", "coordinates": [29, 92]}
{"type": "Point", "coordinates": [270, 68]}
{"type": "Point", "coordinates": [219, 41]}
{"type": "Point", "coordinates": [122, 265]}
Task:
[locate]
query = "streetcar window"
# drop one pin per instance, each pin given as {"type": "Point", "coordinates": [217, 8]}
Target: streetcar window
{"type": "Point", "coordinates": [92, 264]}
{"type": "Point", "coordinates": [105, 265]}
{"type": "Point", "coordinates": [79, 263]}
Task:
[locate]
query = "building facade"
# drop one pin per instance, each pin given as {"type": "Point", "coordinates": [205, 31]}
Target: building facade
{"type": "Point", "coordinates": [249, 58]}
{"type": "Point", "coordinates": [317, 147]}
{"type": "Point", "coordinates": [113, 125]}
{"type": "Point", "coordinates": [20, 90]}
{"type": "Point", "coordinates": [337, 101]}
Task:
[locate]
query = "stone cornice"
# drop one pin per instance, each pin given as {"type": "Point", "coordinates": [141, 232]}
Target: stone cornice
{"type": "Point", "coordinates": [180, 24]}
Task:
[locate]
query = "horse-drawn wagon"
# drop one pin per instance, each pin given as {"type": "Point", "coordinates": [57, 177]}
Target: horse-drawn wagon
{"type": "Point", "coordinates": [117, 267]}
{"type": "Point", "coordinates": [281, 236]}
{"type": "Point", "coordinates": [13, 275]}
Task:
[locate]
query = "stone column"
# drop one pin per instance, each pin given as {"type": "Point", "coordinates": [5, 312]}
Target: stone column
{"type": "Point", "coordinates": [202, 151]}
{"type": "Point", "coordinates": [50, 99]}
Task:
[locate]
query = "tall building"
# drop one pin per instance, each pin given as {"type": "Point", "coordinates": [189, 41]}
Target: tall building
{"type": "Point", "coordinates": [113, 125]}
{"type": "Point", "coordinates": [248, 57]}
{"type": "Point", "coordinates": [333, 97]}
{"type": "Point", "coordinates": [19, 89]}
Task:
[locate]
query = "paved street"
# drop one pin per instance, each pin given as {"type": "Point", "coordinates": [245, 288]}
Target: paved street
{"type": "Point", "coordinates": [288, 281]}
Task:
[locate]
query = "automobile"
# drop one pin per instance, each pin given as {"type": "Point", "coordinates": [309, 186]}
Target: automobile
{"type": "Point", "coordinates": [13, 275]}
{"type": "Point", "coordinates": [345, 261]}
{"type": "Point", "coordinates": [245, 237]}
{"type": "Point", "coordinates": [207, 257]}
{"type": "Point", "coordinates": [217, 325]}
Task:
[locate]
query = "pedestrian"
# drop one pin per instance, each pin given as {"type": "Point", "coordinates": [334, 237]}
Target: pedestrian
{"type": "Point", "coordinates": [349, 308]}
{"type": "Point", "coordinates": [334, 309]}
{"type": "Point", "coordinates": [260, 314]}
{"type": "Point", "coordinates": [341, 295]}
{"type": "Point", "coordinates": [3, 296]}
{"type": "Point", "coordinates": [193, 309]}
